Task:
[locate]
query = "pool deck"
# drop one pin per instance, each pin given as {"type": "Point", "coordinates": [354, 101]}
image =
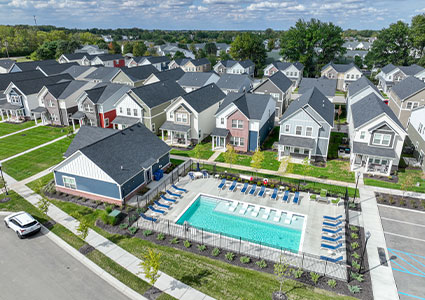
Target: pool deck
{"type": "Point", "coordinates": [312, 211]}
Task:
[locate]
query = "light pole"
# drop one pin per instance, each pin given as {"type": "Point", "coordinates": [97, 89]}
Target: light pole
{"type": "Point", "coordinates": [2, 177]}
{"type": "Point", "coordinates": [368, 235]}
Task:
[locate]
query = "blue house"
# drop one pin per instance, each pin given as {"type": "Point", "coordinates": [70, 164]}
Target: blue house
{"type": "Point", "coordinates": [111, 166]}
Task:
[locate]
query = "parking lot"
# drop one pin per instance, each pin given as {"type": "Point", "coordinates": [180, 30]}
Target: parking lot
{"type": "Point", "coordinates": [36, 268]}
{"type": "Point", "coordinates": [405, 236]}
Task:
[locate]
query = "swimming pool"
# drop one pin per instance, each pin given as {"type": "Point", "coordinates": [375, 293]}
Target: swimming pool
{"type": "Point", "coordinates": [267, 227]}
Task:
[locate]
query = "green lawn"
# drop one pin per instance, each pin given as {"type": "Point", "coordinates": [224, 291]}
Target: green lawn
{"type": "Point", "coordinates": [418, 176]}
{"type": "Point", "coordinates": [340, 93]}
{"type": "Point", "coordinates": [177, 162]}
{"type": "Point", "coordinates": [20, 142]}
{"type": "Point", "coordinates": [45, 180]}
{"type": "Point", "coordinates": [334, 141]}
{"type": "Point", "coordinates": [273, 137]}
{"type": "Point", "coordinates": [270, 160]}
{"type": "Point", "coordinates": [6, 128]}
{"type": "Point", "coordinates": [206, 151]}
{"type": "Point", "coordinates": [31, 163]}
{"type": "Point", "coordinates": [335, 170]}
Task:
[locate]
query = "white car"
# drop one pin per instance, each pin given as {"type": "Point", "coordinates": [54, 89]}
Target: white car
{"type": "Point", "coordinates": [22, 223]}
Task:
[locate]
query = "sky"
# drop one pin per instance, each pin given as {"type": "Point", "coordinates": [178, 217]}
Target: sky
{"type": "Point", "coordinates": [207, 14]}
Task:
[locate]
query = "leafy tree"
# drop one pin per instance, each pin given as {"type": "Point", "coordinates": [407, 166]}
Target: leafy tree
{"type": "Point", "coordinates": [2, 185]}
{"type": "Point", "coordinates": [210, 49]}
{"type": "Point", "coordinates": [101, 44]}
{"type": "Point", "coordinates": [271, 44]}
{"type": "Point", "coordinates": [43, 205]}
{"type": "Point", "coordinates": [128, 48]}
{"type": "Point", "coordinates": [230, 155]}
{"type": "Point", "coordinates": [200, 54]}
{"type": "Point", "coordinates": [418, 34]}
{"type": "Point", "coordinates": [312, 43]}
{"type": "Point", "coordinates": [282, 272]}
{"type": "Point", "coordinates": [212, 59]}
{"type": "Point", "coordinates": [257, 160]}
{"type": "Point", "coordinates": [139, 49]}
{"type": "Point", "coordinates": [358, 61]}
{"type": "Point", "coordinates": [46, 51]}
{"type": "Point", "coordinates": [114, 47]}
{"type": "Point", "coordinates": [224, 56]}
{"type": "Point", "coordinates": [83, 228]}
{"type": "Point", "coordinates": [150, 265]}
{"type": "Point", "coordinates": [178, 54]}
{"type": "Point", "coordinates": [249, 46]}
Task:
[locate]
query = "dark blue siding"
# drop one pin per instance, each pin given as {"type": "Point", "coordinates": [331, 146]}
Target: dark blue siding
{"type": "Point", "coordinates": [133, 183]}
{"type": "Point", "coordinates": [163, 161]}
{"type": "Point", "coordinates": [253, 136]}
{"type": "Point", "coordinates": [89, 185]}
{"type": "Point", "coordinates": [264, 131]}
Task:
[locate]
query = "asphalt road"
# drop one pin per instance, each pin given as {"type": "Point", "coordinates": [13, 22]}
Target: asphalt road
{"type": "Point", "coordinates": [405, 237]}
{"type": "Point", "coordinates": [36, 268]}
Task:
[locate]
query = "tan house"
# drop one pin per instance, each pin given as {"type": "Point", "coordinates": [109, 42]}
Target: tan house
{"type": "Point", "coordinates": [197, 65]}
{"type": "Point", "coordinates": [135, 76]}
{"type": "Point", "coordinates": [343, 73]}
{"type": "Point", "coordinates": [405, 96]}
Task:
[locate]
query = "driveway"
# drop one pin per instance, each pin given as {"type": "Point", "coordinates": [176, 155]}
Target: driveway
{"type": "Point", "coordinates": [36, 268]}
{"type": "Point", "coordinates": [405, 237]}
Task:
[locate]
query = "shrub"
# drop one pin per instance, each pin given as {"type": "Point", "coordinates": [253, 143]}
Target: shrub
{"type": "Point", "coordinates": [230, 256]}
{"type": "Point", "coordinates": [332, 283]}
{"type": "Point", "coordinates": [402, 203]}
{"type": "Point", "coordinates": [355, 265]}
{"type": "Point", "coordinates": [215, 252]}
{"type": "Point", "coordinates": [314, 277]}
{"type": "Point", "coordinates": [354, 245]}
{"type": "Point", "coordinates": [124, 226]}
{"type": "Point", "coordinates": [160, 236]}
{"type": "Point", "coordinates": [354, 236]}
{"type": "Point", "coordinates": [354, 228]}
{"type": "Point", "coordinates": [355, 255]}
{"type": "Point", "coordinates": [132, 219]}
{"type": "Point", "coordinates": [357, 276]}
{"type": "Point", "coordinates": [202, 248]}
{"type": "Point", "coordinates": [413, 203]}
{"type": "Point", "coordinates": [174, 241]}
{"type": "Point", "coordinates": [259, 183]}
{"type": "Point", "coordinates": [354, 288]}
{"type": "Point", "coordinates": [147, 232]}
{"type": "Point", "coordinates": [297, 273]}
{"type": "Point", "coordinates": [133, 230]}
{"type": "Point", "coordinates": [109, 208]}
{"type": "Point", "coordinates": [261, 264]}
{"type": "Point", "coordinates": [108, 219]}
{"type": "Point", "coordinates": [245, 259]}
{"type": "Point", "coordinates": [187, 244]}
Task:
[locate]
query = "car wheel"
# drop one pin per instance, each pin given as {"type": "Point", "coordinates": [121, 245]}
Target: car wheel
{"type": "Point", "coordinates": [5, 224]}
{"type": "Point", "coordinates": [19, 235]}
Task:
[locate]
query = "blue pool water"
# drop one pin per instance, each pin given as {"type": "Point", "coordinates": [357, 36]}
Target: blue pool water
{"type": "Point", "coordinates": [214, 215]}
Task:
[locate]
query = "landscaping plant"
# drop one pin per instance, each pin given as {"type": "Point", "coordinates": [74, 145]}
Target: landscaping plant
{"type": "Point", "coordinates": [133, 230]}
{"type": "Point", "coordinates": [43, 205]}
{"type": "Point", "coordinates": [150, 265]}
{"type": "Point", "coordinates": [354, 289]}
{"type": "Point", "coordinates": [314, 277]}
{"type": "Point", "coordinates": [354, 236]}
{"type": "Point", "coordinates": [160, 236]}
{"type": "Point", "coordinates": [230, 256]}
{"type": "Point", "coordinates": [261, 264]}
{"type": "Point", "coordinates": [215, 252]}
{"type": "Point", "coordinates": [282, 272]}
{"type": "Point", "coordinates": [83, 229]}
{"type": "Point", "coordinates": [202, 248]}
{"type": "Point", "coordinates": [332, 283]}
{"type": "Point", "coordinates": [245, 259]}
{"type": "Point", "coordinates": [147, 232]}
{"type": "Point", "coordinates": [354, 245]}
{"type": "Point", "coordinates": [355, 255]}
{"type": "Point", "coordinates": [187, 244]}
{"type": "Point", "coordinates": [297, 273]}
{"type": "Point", "coordinates": [174, 241]}
{"type": "Point", "coordinates": [357, 276]}
{"type": "Point", "coordinates": [124, 226]}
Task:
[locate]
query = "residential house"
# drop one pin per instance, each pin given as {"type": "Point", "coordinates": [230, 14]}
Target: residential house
{"type": "Point", "coordinates": [57, 102]}
{"type": "Point", "coordinates": [171, 50]}
{"type": "Point", "coordinates": [159, 62]}
{"type": "Point", "coordinates": [197, 65]}
{"type": "Point", "coordinates": [21, 96]}
{"type": "Point", "coordinates": [416, 133]}
{"type": "Point", "coordinates": [172, 74]}
{"type": "Point", "coordinates": [222, 47]}
{"type": "Point", "coordinates": [79, 72]}
{"type": "Point", "coordinates": [114, 168]}
{"type": "Point", "coordinates": [305, 127]}
{"type": "Point", "coordinates": [390, 75]}
{"type": "Point", "coordinates": [178, 63]}
{"type": "Point", "coordinates": [376, 136]}
{"type": "Point", "coordinates": [325, 85]}
{"type": "Point", "coordinates": [293, 71]}
{"type": "Point", "coordinates": [190, 118]}
{"type": "Point", "coordinates": [135, 76]}
{"type": "Point", "coordinates": [6, 79]}
{"type": "Point", "coordinates": [146, 104]}
{"type": "Point", "coordinates": [108, 60]}
{"type": "Point", "coordinates": [83, 59]}
{"type": "Point", "coordinates": [50, 70]}
{"type": "Point", "coordinates": [280, 88]}
{"type": "Point", "coordinates": [235, 83]}
{"type": "Point", "coordinates": [405, 96]}
{"type": "Point", "coordinates": [6, 65]}
{"type": "Point", "coordinates": [343, 73]}
{"type": "Point", "coordinates": [103, 74]}
{"type": "Point", "coordinates": [91, 50]}
{"type": "Point", "coordinates": [357, 45]}
{"type": "Point", "coordinates": [352, 54]}
{"type": "Point", "coordinates": [235, 67]}
{"type": "Point", "coordinates": [191, 81]}
{"type": "Point", "coordinates": [32, 65]}
{"type": "Point", "coordinates": [96, 106]}
{"type": "Point", "coordinates": [244, 121]}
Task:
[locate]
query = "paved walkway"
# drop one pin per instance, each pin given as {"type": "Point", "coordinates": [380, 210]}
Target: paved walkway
{"type": "Point", "coordinates": [214, 156]}
{"type": "Point", "coordinates": [19, 131]}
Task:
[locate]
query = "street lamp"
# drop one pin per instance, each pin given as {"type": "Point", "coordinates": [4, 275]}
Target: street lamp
{"type": "Point", "coordinates": [2, 177]}
{"type": "Point", "coordinates": [357, 183]}
{"type": "Point", "coordinates": [368, 235]}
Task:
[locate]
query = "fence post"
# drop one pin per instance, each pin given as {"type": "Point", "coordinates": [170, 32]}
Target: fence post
{"type": "Point", "coordinates": [326, 264]}
{"type": "Point", "coordinates": [202, 236]}
{"type": "Point", "coordinates": [259, 254]}
{"type": "Point", "coordinates": [168, 221]}
{"type": "Point", "coordinates": [219, 242]}
{"type": "Point", "coordinates": [302, 262]}
{"type": "Point", "coordinates": [240, 241]}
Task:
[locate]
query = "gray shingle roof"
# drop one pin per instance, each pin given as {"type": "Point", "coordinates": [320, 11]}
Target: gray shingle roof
{"type": "Point", "coordinates": [369, 108]}
{"type": "Point", "coordinates": [6, 79]}
{"type": "Point", "coordinates": [283, 65]}
{"type": "Point", "coordinates": [103, 73]}
{"type": "Point", "coordinates": [232, 81]}
{"type": "Point", "coordinates": [104, 91]}
{"type": "Point", "coordinates": [388, 68]}
{"type": "Point", "coordinates": [200, 61]}
{"type": "Point", "coordinates": [251, 105]}
{"type": "Point", "coordinates": [169, 125]}
{"type": "Point", "coordinates": [281, 81]}
{"type": "Point", "coordinates": [341, 68]}
{"type": "Point", "coordinates": [107, 57]}
{"type": "Point", "coordinates": [204, 97]}
{"type": "Point", "coordinates": [56, 69]}
{"type": "Point", "coordinates": [33, 86]}
{"type": "Point", "coordinates": [125, 120]}
{"type": "Point", "coordinates": [157, 59]}
{"type": "Point", "coordinates": [87, 135]}
{"type": "Point", "coordinates": [411, 70]}
{"type": "Point", "coordinates": [75, 56]}
{"type": "Point", "coordinates": [296, 141]}
{"type": "Point", "coordinates": [173, 74]}
{"type": "Point", "coordinates": [407, 87]}
{"type": "Point", "coordinates": [32, 65]}
{"type": "Point", "coordinates": [6, 63]}
{"type": "Point", "coordinates": [63, 90]}
{"type": "Point", "coordinates": [181, 61]}
{"type": "Point", "coordinates": [323, 84]}
{"type": "Point", "coordinates": [157, 93]}
{"type": "Point", "coordinates": [139, 73]}
{"type": "Point", "coordinates": [195, 79]}
{"type": "Point", "coordinates": [360, 84]}
{"type": "Point", "coordinates": [77, 70]}
{"type": "Point", "coordinates": [364, 148]}
{"type": "Point", "coordinates": [123, 154]}
{"type": "Point", "coordinates": [230, 63]}
{"type": "Point", "coordinates": [317, 101]}
{"type": "Point", "coordinates": [220, 132]}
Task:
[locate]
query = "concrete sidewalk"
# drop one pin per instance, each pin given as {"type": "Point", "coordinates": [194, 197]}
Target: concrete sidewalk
{"type": "Point", "coordinates": [19, 131]}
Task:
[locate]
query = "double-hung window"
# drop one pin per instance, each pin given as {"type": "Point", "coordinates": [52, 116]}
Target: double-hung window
{"type": "Point", "coordinates": [128, 111]}
{"type": "Point", "coordinates": [362, 135]}
{"type": "Point", "coordinates": [135, 112]}
{"type": "Point", "coordinates": [69, 182]}
{"type": "Point", "coordinates": [298, 130]}
{"type": "Point", "coordinates": [237, 141]}
{"type": "Point", "coordinates": [309, 131]}
{"type": "Point", "coordinates": [237, 124]}
{"type": "Point", "coordinates": [381, 139]}
{"type": "Point", "coordinates": [287, 128]}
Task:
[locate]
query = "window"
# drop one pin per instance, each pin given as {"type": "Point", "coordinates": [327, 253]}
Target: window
{"type": "Point", "coordinates": [309, 131]}
{"type": "Point", "coordinates": [222, 121]}
{"type": "Point", "coordinates": [237, 124]}
{"type": "Point", "coordinates": [352, 76]}
{"type": "Point", "coordinates": [106, 122]}
{"type": "Point", "coordinates": [135, 113]}
{"type": "Point", "coordinates": [69, 182]}
{"type": "Point", "coordinates": [120, 110]}
{"type": "Point", "coordinates": [287, 128]}
{"type": "Point", "coordinates": [171, 115]}
{"type": "Point", "coordinates": [153, 126]}
{"type": "Point", "coordinates": [420, 127]}
{"type": "Point", "coordinates": [181, 117]}
{"type": "Point", "coordinates": [362, 135]}
{"type": "Point", "coordinates": [298, 130]}
{"type": "Point", "coordinates": [275, 96]}
{"type": "Point", "coordinates": [237, 141]}
{"type": "Point", "coordinates": [128, 111]}
{"type": "Point", "coordinates": [381, 139]}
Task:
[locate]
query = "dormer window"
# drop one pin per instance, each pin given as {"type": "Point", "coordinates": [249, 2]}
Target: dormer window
{"type": "Point", "coordinates": [381, 139]}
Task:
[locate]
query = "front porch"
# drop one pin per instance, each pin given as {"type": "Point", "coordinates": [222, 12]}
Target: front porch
{"type": "Point", "coordinates": [122, 122]}
{"type": "Point", "coordinates": [12, 113]}
{"type": "Point", "coordinates": [40, 112]}
{"type": "Point", "coordinates": [219, 139]}
{"type": "Point", "coordinates": [295, 147]}
{"type": "Point", "coordinates": [175, 134]}
{"type": "Point", "coordinates": [373, 165]}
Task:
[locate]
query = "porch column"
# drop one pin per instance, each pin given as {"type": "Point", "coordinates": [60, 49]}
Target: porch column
{"type": "Point", "coordinates": [35, 118]}
{"type": "Point", "coordinates": [212, 141]}
{"type": "Point", "coordinates": [309, 155]}
{"type": "Point", "coordinates": [389, 167]}
{"type": "Point", "coordinates": [367, 163]}
{"type": "Point", "coordinates": [7, 114]}
{"type": "Point", "coordinates": [171, 136]}
{"type": "Point", "coordinates": [185, 138]}
{"type": "Point", "coordinates": [73, 125]}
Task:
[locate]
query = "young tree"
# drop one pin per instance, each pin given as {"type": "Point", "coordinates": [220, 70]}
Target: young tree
{"type": "Point", "coordinates": [282, 272]}
{"type": "Point", "coordinates": [224, 56]}
{"type": "Point", "coordinates": [83, 229]}
{"type": "Point", "coordinates": [178, 54]}
{"type": "Point", "coordinates": [2, 186]}
{"type": "Point", "coordinates": [406, 184]}
{"type": "Point", "coordinates": [257, 160]}
{"type": "Point", "coordinates": [229, 155]}
{"type": "Point", "coordinates": [43, 205]}
{"type": "Point", "coordinates": [128, 48]}
{"type": "Point", "coordinates": [358, 61]}
{"type": "Point", "coordinates": [249, 46]}
{"type": "Point", "coordinates": [150, 265]}
{"type": "Point", "coordinates": [139, 49]}
{"type": "Point", "coordinates": [271, 44]}
{"type": "Point", "coordinates": [306, 166]}
{"type": "Point", "coordinates": [114, 47]}
{"type": "Point", "coordinates": [197, 151]}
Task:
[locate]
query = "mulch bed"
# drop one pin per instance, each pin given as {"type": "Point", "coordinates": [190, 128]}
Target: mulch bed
{"type": "Point", "coordinates": [152, 293]}
{"type": "Point", "coordinates": [49, 224]}
{"type": "Point", "coordinates": [399, 201]}
{"type": "Point", "coordinates": [77, 200]}
{"type": "Point", "coordinates": [5, 199]}
{"type": "Point", "coordinates": [86, 249]}
{"type": "Point", "coordinates": [391, 179]}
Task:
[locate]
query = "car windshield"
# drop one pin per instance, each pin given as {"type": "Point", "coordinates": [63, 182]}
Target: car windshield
{"type": "Point", "coordinates": [29, 224]}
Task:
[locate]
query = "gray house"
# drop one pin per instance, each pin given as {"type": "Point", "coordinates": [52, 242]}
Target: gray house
{"type": "Point", "coordinates": [191, 81]}
{"type": "Point", "coordinates": [305, 127]}
{"type": "Point", "coordinates": [416, 132]}
{"type": "Point", "coordinates": [234, 83]}
{"type": "Point", "coordinates": [323, 84]}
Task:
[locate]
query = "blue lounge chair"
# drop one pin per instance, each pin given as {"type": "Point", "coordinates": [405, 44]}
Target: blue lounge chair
{"type": "Point", "coordinates": [331, 247]}
{"type": "Point", "coordinates": [252, 190]}
{"type": "Point", "coordinates": [173, 194]}
{"type": "Point", "coordinates": [332, 231]}
{"type": "Point", "coordinates": [167, 199]}
{"type": "Point", "coordinates": [332, 218]}
{"type": "Point", "coordinates": [332, 224]}
{"type": "Point", "coordinates": [244, 188]}
{"type": "Point", "coordinates": [285, 196]}
{"type": "Point", "coordinates": [233, 186]}
{"type": "Point", "coordinates": [331, 259]}
{"type": "Point", "coordinates": [222, 183]}
{"type": "Point", "coordinates": [205, 174]}
{"type": "Point", "coordinates": [296, 198]}
{"type": "Point", "coordinates": [330, 239]}
{"type": "Point", "coordinates": [148, 218]}
{"type": "Point", "coordinates": [261, 192]}
{"type": "Point", "coordinates": [179, 189]}
{"type": "Point", "coordinates": [156, 210]}
{"type": "Point", "coordinates": [161, 205]}
{"type": "Point", "coordinates": [274, 195]}
{"type": "Point", "coordinates": [191, 176]}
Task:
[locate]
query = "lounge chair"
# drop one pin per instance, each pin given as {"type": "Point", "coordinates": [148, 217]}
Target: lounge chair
{"type": "Point", "coordinates": [266, 213]}
{"type": "Point", "coordinates": [253, 188]}
{"type": "Point", "coordinates": [330, 239]}
{"type": "Point", "coordinates": [233, 206]}
{"type": "Point", "coordinates": [167, 199]}
{"type": "Point", "coordinates": [332, 231]}
{"type": "Point", "coordinates": [205, 174]}
{"type": "Point", "coordinates": [285, 196]}
{"type": "Point", "coordinates": [243, 208]}
{"type": "Point", "coordinates": [192, 177]}
{"type": "Point", "coordinates": [179, 189]}
{"type": "Point", "coordinates": [296, 198]}
{"type": "Point", "coordinates": [173, 194]}
{"type": "Point", "coordinates": [244, 188]}
{"type": "Point", "coordinates": [288, 218]}
{"type": "Point", "coordinates": [156, 210]}
{"type": "Point", "coordinates": [274, 195]}
{"type": "Point", "coordinates": [148, 218]}
{"type": "Point", "coordinates": [277, 216]}
{"type": "Point", "coordinates": [332, 218]}
{"type": "Point", "coordinates": [222, 184]}
{"type": "Point", "coordinates": [331, 247]}
{"type": "Point", "coordinates": [161, 205]}
{"type": "Point", "coordinates": [233, 186]}
{"type": "Point", "coordinates": [255, 211]}
{"type": "Point", "coordinates": [325, 223]}
{"type": "Point", "coordinates": [262, 191]}
{"type": "Point", "coordinates": [331, 259]}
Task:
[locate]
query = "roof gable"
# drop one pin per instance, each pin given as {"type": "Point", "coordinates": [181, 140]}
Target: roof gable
{"type": "Point", "coordinates": [408, 87]}
{"type": "Point", "coordinates": [204, 97]}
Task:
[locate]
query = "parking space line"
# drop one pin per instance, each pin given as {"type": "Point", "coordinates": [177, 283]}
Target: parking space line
{"type": "Point", "coordinates": [407, 253]}
{"type": "Point", "coordinates": [410, 265]}
{"type": "Point", "coordinates": [413, 296]}
{"type": "Point", "coordinates": [410, 255]}
{"type": "Point", "coordinates": [404, 222]}
{"type": "Point", "coordinates": [407, 272]}
{"type": "Point", "coordinates": [404, 236]}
